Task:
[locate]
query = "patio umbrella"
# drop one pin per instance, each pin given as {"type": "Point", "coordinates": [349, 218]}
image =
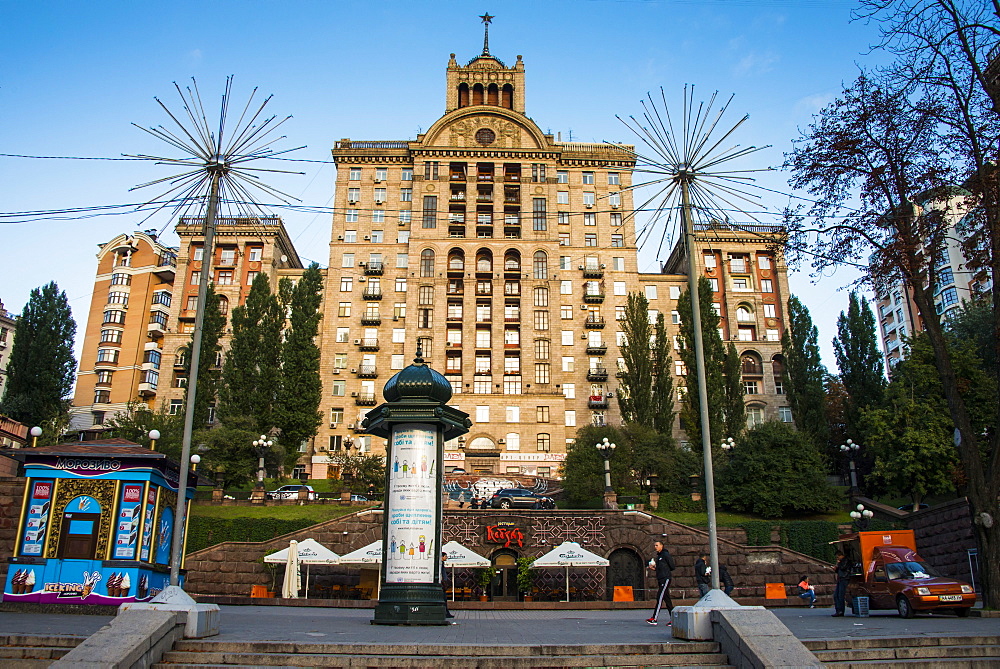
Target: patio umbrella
{"type": "Point", "coordinates": [310, 552]}
{"type": "Point", "coordinates": [293, 581]}
{"type": "Point", "coordinates": [460, 556]}
{"type": "Point", "coordinates": [569, 554]}
{"type": "Point", "coordinates": [369, 556]}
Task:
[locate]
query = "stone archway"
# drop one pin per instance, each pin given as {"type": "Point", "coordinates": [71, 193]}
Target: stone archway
{"type": "Point", "coordinates": [625, 568]}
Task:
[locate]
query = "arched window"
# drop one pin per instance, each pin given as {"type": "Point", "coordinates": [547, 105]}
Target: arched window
{"type": "Point", "coordinates": [463, 95]}
{"type": "Point", "coordinates": [223, 305]}
{"type": "Point", "coordinates": [512, 262]}
{"type": "Point", "coordinates": [493, 95]}
{"type": "Point", "coordinates": [482, 444]}
{"type": "Point", "coordinates": [544, 442]}
{"type": "Point", "coordinates": [744, 313]}
{"type": "Point", "coordinates": [750, 364]}
{"type": "Point", "coordinates": [540, 265]}
{"type": "Point", "coordinates": [507, 96]}
{"type": "Point", "coordinates": [778, 366]}
{"type": "Point", "coordinates": [478, 94]}
{"type": "Point", "coordinates": [456, 261]}
{"type": "Point", "coordinates": [484, 262]}
{"type": "Point", "coordinates": [427, 263]}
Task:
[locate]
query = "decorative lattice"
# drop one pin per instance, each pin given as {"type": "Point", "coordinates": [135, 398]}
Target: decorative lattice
{"type": "Point", "coordinates": [466, 531]}
{"type": "Point", "coordinates": [553, 530]}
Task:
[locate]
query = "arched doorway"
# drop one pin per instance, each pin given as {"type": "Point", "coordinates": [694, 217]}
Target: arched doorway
{"type": "Point", "coordinates": [625, 568]}
{"type": "Point", "coordinates": [504, 587]}
{"type": "Point", "coordinates": [80, 528]}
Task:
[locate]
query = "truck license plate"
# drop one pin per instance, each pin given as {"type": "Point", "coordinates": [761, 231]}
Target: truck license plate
{"type": "Point", "coordinates": [950, 598]}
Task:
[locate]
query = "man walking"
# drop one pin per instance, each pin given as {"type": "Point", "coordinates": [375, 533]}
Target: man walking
{"type": "Point", "coordinates": [663, 565]}
{"type": "Point", "coordinates": [843, 569]}
{"type": "Point", "coordinates": [702, 575]}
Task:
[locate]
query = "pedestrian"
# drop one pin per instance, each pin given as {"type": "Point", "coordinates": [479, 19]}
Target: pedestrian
{"type": "Point", "coordinates": [726, 579]}
{"type": "Point", "coordinates": [702, 574]}
{"type": "Point", "coordinates": [807, 591]}
{"type": "Point", "coordinates": [662, 564]}
{"type": "Point", "coordinates": [444, 583]}
{"type": "Point", "coordinates": [843, 570]}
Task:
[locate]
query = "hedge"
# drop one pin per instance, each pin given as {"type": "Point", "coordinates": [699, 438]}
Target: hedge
{"type": "Point", "coordinates": [811, 537]}
{"type": "Point", "coordinates": [204, 532]}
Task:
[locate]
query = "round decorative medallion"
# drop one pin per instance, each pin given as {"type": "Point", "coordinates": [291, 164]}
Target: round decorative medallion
{"type": "Point", "coordinates": [766, 273]}
{"type": "Point", "coordinates": [485, 136]}
{"type": "Point", "coordinates": [430, 188]}
{"type": "Point", "coordinates": [539, 190]}
{"type": "Point", "coordinates": [771, 322]}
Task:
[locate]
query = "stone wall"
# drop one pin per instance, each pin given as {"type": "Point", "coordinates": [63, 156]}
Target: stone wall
{"type": "Point", "coordinates": [11, 498]}
{"type": "Point", "coordinates": [233, 568]}
{"type": "Point", "coordinates": [944, 536]}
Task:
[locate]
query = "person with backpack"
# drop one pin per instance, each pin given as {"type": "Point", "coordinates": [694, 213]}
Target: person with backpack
{"type": "Point", "coordinates": [663, 565]}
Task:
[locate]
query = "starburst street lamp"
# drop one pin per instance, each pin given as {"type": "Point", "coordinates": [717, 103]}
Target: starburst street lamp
{"type": "Point", "coordinates": [687, 175]}
{"type": "Point", "coordinates": [215, 172]}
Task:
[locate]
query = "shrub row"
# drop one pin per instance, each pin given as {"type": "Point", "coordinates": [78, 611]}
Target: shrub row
{"type": "Point", "coordinates": [204, 532]}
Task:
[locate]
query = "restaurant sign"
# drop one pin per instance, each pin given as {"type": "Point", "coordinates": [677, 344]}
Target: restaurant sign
{"type": "Point", "coordinates": [506, 533]}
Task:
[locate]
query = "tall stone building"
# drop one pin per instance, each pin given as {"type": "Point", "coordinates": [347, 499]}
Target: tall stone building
{"type": "Point", "coordinates": [508, 256]}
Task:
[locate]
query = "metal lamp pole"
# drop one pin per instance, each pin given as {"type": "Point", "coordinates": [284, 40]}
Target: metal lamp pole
{"type": "Point", "coordinates": [851, 449]}
{"type": "Point", "coordinates": [862, 517]}
{"type": "Point", "coordinates": [263, 445]}
{"type": "Point", "coordinates": [606, 449]}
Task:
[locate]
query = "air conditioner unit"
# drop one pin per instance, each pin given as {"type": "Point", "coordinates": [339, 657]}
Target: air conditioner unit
{"type": "Point", "coordinates": [352, 202]}
{"type": "Point", "coordinates": [402, 223]}
{"type": "Point", "coordinates": [395, 318]}
{"type": "Point", "coordinates": [354, 371]}
{"type": "Point", "coordinates": [583, 336]}
{"type": "Point", "coordinates": [603, 265]}
{"type": "Point", "coordinates": [362, 263]}
{"type": "Point", "coordinates": [362, 279]}
{"type": "Point", "coordinates": [367, 238]}
{"type": "Point", "coordinates": [581, 266]}
{"type": "Point", "coordinates": [501, 441]}
{"type": "Point", "coordinates": [611, 396]}
{"type": "Point", "coordinates": [357, 342]}
{"type": "Point", "coordinates": [589, 206]}
{"type": "Point", "coordinates": [340, 238]}
{"type": "Point", "coordinates": [322, 449]}
{"type": "Point", "coordinates": [352, 395]}
{"type": "Point", "coordinates": [614, 206]}
{"type": "Point", "coordinates": [336, 371]}
{"type": "Point", "coordinates": [333, 426]}
{"type": "Point", "coordinates": [350, 426]}
{"type": "Point", "coordinates": [378, 201]}
{"type": "Point", "coordinates": [583, 307]}
{"type": "Point", "coordinates": [378, 181]}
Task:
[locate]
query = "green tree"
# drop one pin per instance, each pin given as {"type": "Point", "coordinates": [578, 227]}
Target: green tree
{"type": "Point", "coordinates": [360, 470]}
{"type": "Point", "coordinates": [973, 322]}
{"type": "Point", "coordinates": [804, 374]}
{"type": "Point", "coordinates": [775, 471]}
{"type": "Point", "coordinates": [715, 355]}
{"type": "Point", "coordinates": [228, 448]}
{"type": "Point", "coordinates": [300, 390]}
{"type": "Point", "coordinates": [41, 366]}
{"type": "Point", "coordinates": [645, 393]}
{"type": "Point", "coordinates": [859, 360]}
{"type": "Point", "coordinates": [734, 411]}
{"type": "Point", "coordinates": [137, 419]}
{"type": "Point", "coordinates": [251, 374]}
{"type": "Point", "coordinates": [208, 369]}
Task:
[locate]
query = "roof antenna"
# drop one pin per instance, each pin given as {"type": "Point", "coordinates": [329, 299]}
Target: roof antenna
{"type": "Point", "coordinates": [486, 36]}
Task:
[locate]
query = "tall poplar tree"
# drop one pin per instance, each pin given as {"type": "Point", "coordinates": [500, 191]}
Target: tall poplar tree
{"type": "Point", "coordinates": [297, 409]}
{"type": "Point", "coordinates": [734, 411]}
{"type": "Point", "coordinates": [804, 373]}
{"type": "Point", "coordinates": [715, 356]}
{"type": "Point", "coordinates": [41, 366]}
{"type": "Point", "coordinates": [859, 360]}
{"type": "Point", "coordinates": [251, 374]}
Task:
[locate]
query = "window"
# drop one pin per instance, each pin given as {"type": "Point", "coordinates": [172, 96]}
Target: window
{"type": "Point", "coordinates": [613, 179]}
{"type": "Point", "coordinates": [343, 335]}
{"type": "Point", "coordinates": [618, 264]}
{"type": "Point", "coordinates": [750, 388]}
{"type": "Point", "coordinates": [616, 220]}
{"type": "Point", "coordinates": [483, 338]}
{"type": "Point", "coordinates": [339, 360]}
{"type": "Point", "coordinates": [396, 362]}
{"type": "Point", "coordinates": [569, 391]}
{"type": "Point", "coordinates": [513, 444]}
{"type": "Point", "coordinates": [379, 195]}
{"type": "Point", "coordinates": [538, 211]}
{"type": "Point", "coordinates": [785, 414]}
{"type": "Point", "coordinates": [737, 263]}
{"type": "Point", "coordinates": [338, 388]}
{"type": "Point", "coordinates": [107, 355]}
{"type": "Point", "coordinates": [251, 277]}
{"type": "Point", "coordinates": [225, 277]}
{"type": "Point", "coordinates": [563, 217]}
{"type": "Point", "coordinates": [544, 443]}
{"type": "Point", "coordinates": [741, 283]}
{"type": "Point", "coordinates": [175, 407]}
{"type": "Point", "coordinates": [353, 195]}
{"type": "Point", "coordinates": [615, 200]}
{"type": "Point", "coordinates": [346, 284]}
{"type": "Point", "coordinates": [743, 313]}
{"type": "Point", "coordinates": [350, 236]}
{"type": "Point", "coordinates": [617, 241]}
{"type": "Point", "coordinates": [104, 377]}
{"type": "Point", "coordinates": [564, 239]}
{"type": "Point", "coordinates": [542, 349]}
{"type": "Point", "coordinates": [111, 336]}
{"type": "Point", "coordinates": [715, 285]}
{"type": "Point", "coordinates": [764, 262]}
{"type": "Point", "coordinates": [590, 219]}
{"type": "Point", "coordinates": [119, 279]}
{"type": "Point", "coordinates": [650, 292]}
{"type": "Point", "coordinates": [513, 414]}
{"type": "Point", "coordinates": [567, 363]}
{"type": "Point", "coordinates": [769, 311]}
{"type": "Point", "coordinates": [197, 253]}
{"type": "Point", "coordinates": [407, 174]}
{"type": "Point", "coordinates": [588, 199]}
{"type": "Point", "coordinates": [402, 260]}
{"type": "Point", "coordinates": [619, 313]}
{"type": "Point", "coordinates": [405, 216]}
{"type": "Point", "coordinates": [562, 197]}
{"type": "Point", "coordinates": [110, 316]}
{"type": "Point", "coordinates": [425, 318]}
{"type": "Point", "coordinates": [344, 309]}
{"type": "Point", "coordinates": [562, 177]}
{"type": "Point", "coordinates": [620, 288]}
{"type": "Point", "coordinates": [406, 195]}
{"type": "Point", "coordinates": [355, 174]}
{"type": "Point", "coordinates": [709, 260]}
{"type": "Point", "coordinates": [949, 296]}
{"type": "Point", "coordinates": [427, 263]}
{"type": "Point", "coordinates": [102, 396]}
{"type": "Point", "coordinates": [567, 337]}
{"type": "Point", "coordinates": [482, 414]}
{"type": "Point", "coordinates": [425, 295]}
{"type": "Point", "coordinates": [588, 178]}
{"type": "Point", "coordinates": [120, 297]}
{"type": "Point", "coordinates": [570, 418]}
{"type": "Point", "coordinates": [566, 312]}
{"type": "Point", "coordinates": [541, 320]}
{"type": "Point", "coordinates": [680, 369]}
{"type": "Point", "coordinates": [772, 335]}
{"type": "Point", "coordinates": [590, 239]}
{"type": "Point", "coordinates": [401, 284]}
{"type": "Point", "coordinates": [347, 260]}
{"type": "Point", "coordinates": [755, 416]}
{"type": "Point", "coordinates": [538, 172]}
{"type": "Point", "coordinates": [377, 236]}
{"type": "Point", "coordinates": [766, 286]}
{"type": "Point", "coordinates": [430, 211]}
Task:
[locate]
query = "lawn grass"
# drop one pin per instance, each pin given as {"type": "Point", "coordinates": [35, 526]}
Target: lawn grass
{"type": "Point", "coordinates": [314, 512]}
{"type": "Point", "coordinates": [729, 519]}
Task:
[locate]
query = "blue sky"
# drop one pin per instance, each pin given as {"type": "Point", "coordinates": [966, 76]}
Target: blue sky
{"type": "Point", "coordinates": [75, 76]}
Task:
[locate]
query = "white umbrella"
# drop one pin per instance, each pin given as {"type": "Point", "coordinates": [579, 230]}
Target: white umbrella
{"type": "Point", "coordinates": [460, 556]}
{"type": "Point", "coordinates": [569, 554]}
{"type": "Point", "coordinates": [293, 581]}
{"type": "Point", "coordinates": [367, 555]}
{"type": "Point", "coordinates": [310, 552]}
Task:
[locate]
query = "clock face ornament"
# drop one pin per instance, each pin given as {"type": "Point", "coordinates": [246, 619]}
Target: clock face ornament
{"type": "Point", "coordinates": [485, 136]}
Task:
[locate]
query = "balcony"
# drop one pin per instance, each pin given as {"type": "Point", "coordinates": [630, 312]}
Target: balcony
{"type": "Point", "coordinates": [166, 268]}
{"type": "Point", "coordinates": [456, 231]}
{"type": "Point", "coordinates": [365, 399]}
{"type": "Point", "coordinates": [155, 330]}
{"type": "Point", "coordinates": [372, 294]}
{"type": "Point", "coordinates": [147, 389]}
{"type": "Point", "coordinates": [374, 269]}
{"type": "Point", "coordinates": [367, 344]}
{"type": "Point", "coordinates": [597, 402]}
{"type": "Point", "coordinates": [593, 298]}
{"type": "Point", "coordinates": [457, 197]}
{"type": "Point", "coordinates": [367, 372]}
{"type": "Point", "coordinates": [486, 289]}
{"type": "Point", "coordinates": [456, 269]}
{"type": "Point", "coordinates": [371, 318]}
{"type": "Point", "coordinates": [592, 271]}
{"type": "Point", "coordinates": [594, 322]}
{"type": "Point", "coordinates": [512, 318]}
{"type": "Point", "coordinates": [598, 349]}
{"type": "Point", "coordinates": [484, 231]}
{"type": "Point", "coordinates": [597, 374]}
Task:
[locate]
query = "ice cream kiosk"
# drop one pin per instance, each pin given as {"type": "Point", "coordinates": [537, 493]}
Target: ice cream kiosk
{"type": "Point", "coordinates": [95, 525]}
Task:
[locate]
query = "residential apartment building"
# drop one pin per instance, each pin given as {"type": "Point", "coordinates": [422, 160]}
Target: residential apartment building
{"type": "Point", "coordinates": [123, 339]}
{"type": "Point", "coordinates": [8, 325]}
{"type": "Point", "coordinates": [897, 314]}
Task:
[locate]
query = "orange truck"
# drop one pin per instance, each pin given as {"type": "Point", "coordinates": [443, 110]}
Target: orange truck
{"type": "Point", "coordinates": [890, 573]}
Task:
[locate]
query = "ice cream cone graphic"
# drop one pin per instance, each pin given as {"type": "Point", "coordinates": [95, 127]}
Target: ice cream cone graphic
{"type": "Point", "coordinates": [124, 585]}
{"type": "Point", "coordinates": [90, 579]}
{"type": "Point", "coordinates": [29, 581]}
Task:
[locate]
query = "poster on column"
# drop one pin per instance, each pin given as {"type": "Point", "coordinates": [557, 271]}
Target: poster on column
{"type": "Point", "coordinates": [127, 530]}
{"type": "Point", "coordinates": [37, 518]}
{"type": "Point", "coordinates": [412, 504]}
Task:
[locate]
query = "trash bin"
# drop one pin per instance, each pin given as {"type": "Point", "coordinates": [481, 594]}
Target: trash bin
{"type": "Point", "coordinates": [859, 605]}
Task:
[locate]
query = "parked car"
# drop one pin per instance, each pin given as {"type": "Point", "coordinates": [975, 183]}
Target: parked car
{"type": "Point", "coordinates": [519, 498]}
{"type": "Point", "coordinates": [909, 507]}
{"type": "Point", "coordinates": [290, 492]}
{"type": "Point", "coordinates": [358, 498]}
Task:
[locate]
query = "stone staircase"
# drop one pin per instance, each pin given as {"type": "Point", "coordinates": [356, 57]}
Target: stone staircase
{"type": "Point", "coordinates": [29, 650]}
{"type": "Point", "coordinates": [285, 654]}
{"type": "Point", "coordinates": [908, 652]}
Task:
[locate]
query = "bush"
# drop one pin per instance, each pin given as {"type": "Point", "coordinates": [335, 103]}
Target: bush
{"type": "Point", "coordinates": [204, 532]}
{"type": "Point", "coordinates": [758, 532]}
{"type": "Point", "coordinates": [674, 503]}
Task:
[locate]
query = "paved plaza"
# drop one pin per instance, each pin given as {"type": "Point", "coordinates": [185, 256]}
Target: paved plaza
{"type": "Point", "coordinates": [330, 625]}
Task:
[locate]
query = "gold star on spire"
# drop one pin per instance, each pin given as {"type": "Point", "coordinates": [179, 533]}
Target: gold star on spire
{"type": "Point", "coordinates": [487, 19]}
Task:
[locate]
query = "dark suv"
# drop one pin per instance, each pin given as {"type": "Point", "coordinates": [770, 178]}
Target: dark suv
{"type": "Point", "coordinates": [519, 498]}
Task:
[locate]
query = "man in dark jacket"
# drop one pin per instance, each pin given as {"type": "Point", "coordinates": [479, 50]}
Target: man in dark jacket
{"type": "Point", "coordinates": [663, 564]}
{"type": "Point", "coordinates": [843, 569]}
{"type": "Point", "coordinates": [725, 579]}
{"type": "Point", "coordinates": [702, 575]}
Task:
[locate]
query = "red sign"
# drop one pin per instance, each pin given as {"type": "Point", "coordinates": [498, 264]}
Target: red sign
{"type": "Point", "coordinates": [133, 493]}
{"type": "Point", "coordinates": [496, 534]}
{"type": "Point", "coordinates": [43, 490]}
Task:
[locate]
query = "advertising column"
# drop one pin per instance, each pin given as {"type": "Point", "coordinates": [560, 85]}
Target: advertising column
{"type": "Point", "coordinates": [411, 504]}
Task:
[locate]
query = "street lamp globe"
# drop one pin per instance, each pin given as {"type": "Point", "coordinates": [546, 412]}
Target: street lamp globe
{"type": "Point", "coordinates": [728, 444]}
{"type": "Point", "coordinates": [154, 434]}
{"type": "Point", "coordinates": [36, 432]}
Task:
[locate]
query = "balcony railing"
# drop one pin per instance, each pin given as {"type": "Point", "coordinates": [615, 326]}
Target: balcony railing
{"type": "Point", "coordinates": [598, 349]}
{"type": "Point", "coordinates": [375, 268]}
{"type": "Point", "coordinates": [597, 402]}
{"type": "Point", "coordinates": [594, 322]}
{"type": "Point", "coordinates": [372, 294]}
{"type": "Point", "coordinates": [371, 318]}
{"type": "Point", "coordinates": [367, 372]}
{"type": "Point", "coordinates": [368, 344]}
{"type": "Point", "coordinates": [365, 399]}
{"type": "Point", "coordinates": [593, 298]}
{"type": "Point", "coordinates": [597, 374]}
{"type": "Point", "coordinates": [592, 271]}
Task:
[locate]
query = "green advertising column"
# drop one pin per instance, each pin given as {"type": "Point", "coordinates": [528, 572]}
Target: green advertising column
{"type": "Point", "coordinates": [416, 421]}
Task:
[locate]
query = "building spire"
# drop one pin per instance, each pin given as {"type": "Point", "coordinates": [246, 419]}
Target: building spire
{"type": "Point", "coordinates": [487, 19]}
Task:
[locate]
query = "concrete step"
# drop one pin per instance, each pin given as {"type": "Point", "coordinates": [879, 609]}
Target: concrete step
{"type": "Point", "coordinates": [896, 642]}
{"type": "Point", "coordinates": [970, 663]}
{"type": "Point", "coordinates": [289, 648]}
{"type": "Point", "coordinates": [53, 641]}
{"type": "Point", "coordinates": [31, 652]}
{"type": "Point", "coordinates": [27, 651]}
{"type": "Point", "coordinates": [24, 664]}
{"type": "Point", "coordinates": [908, 652]}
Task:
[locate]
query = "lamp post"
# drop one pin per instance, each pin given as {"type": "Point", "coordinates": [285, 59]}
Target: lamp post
{"type": "Point", "coordinates": [728, 445]}
{"type": "Point", "coordinates": [195, 459]}
{"type": "Point", "coordinates": [153, 436]}
{"type": "Point", "coordinates": [651, 485]}
{"type": "Point", "coordinates": [36, 432]}
{"type": "Point", "coordinates": [695, 480]}
{"type": "Point", "coordinates": [851, 449]}
{"type": "Point", "coordinates": [607, 449]}
{"type": "Point", "coordinates": [862, 517]}
{"type": "Point", "coordinates": [262, 446]}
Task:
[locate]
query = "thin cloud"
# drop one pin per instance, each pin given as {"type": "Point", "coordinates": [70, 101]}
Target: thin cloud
{"type": "Point", "coordinates": [755, 63]}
